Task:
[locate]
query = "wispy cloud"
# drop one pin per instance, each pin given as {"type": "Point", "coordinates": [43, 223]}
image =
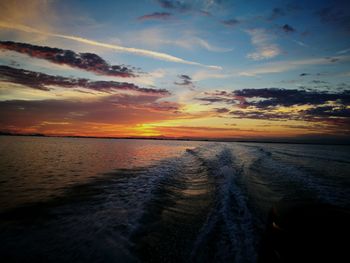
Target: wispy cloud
{"type": "Point", "coordinates": [230, 22]}
{"type": "Point", "coordinates": [136, 51]}
{"type": "Point", "coordinates": [157, 37]}
{"type": "Point", "coordinates": [177, 5]}
{"type": "Point", "coordinates": [265, 49]}
{"type": "Point", "coordinates": [344, 51]}
{"type": "Point", "coordinates": [205, 44]}
{"type": "Point", "coordinates": [156, 16]}
{"type": "Point", "coordinates": [206, 74]}
{"type": "Point", "coordinates": [274, 68]}
{"type": "Point", "coordinates": [276, 13]}
{"type": "Point", "coordinates": [202, 7]}
{"type": "Point", "coordinates": [283, 66]}
{"type": "Point", "coordinates": [300, 43]}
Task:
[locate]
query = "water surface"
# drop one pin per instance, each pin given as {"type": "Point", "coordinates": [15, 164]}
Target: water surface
{"type": "Point", "coordinates": [106, 200]}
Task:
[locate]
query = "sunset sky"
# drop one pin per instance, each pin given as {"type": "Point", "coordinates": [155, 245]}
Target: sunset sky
{"type": "Point", "coordinates": [199, 69]}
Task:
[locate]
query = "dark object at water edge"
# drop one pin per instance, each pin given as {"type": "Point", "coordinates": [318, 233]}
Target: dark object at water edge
{"type": "Point", "coordinates": [306, 231]}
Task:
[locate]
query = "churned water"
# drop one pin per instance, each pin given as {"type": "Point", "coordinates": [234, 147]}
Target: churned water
{"type": "Point", "coordinates": [109, 200]}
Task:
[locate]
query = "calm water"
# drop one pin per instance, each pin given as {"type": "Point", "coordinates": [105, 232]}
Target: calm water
{"type": "Point", "coordinates": [97, 200]}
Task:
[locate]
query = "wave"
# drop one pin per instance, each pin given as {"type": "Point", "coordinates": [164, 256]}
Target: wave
{"type": "Point", "coordinates": [293, 178]}
{"type": "Point", "coordinates": [303, 155]}
{"type": "Point", "coordinates": [229, 225]}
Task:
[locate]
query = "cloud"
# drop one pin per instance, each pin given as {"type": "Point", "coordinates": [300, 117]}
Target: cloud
{"type": "Point", "coordinates": [336, 15]}
{"type": "Point", "coordinates": [38, 13]}
{"type": "Point", "coordinates": [222, 110]}
{"type": "Point", "coordinates": [230, 22]}
{"type": "Point", "coordinates": [316, 81]}
{"type": "Point", "coordinates": [276, 13]}
{"type": "Point", "coordinates": [329, 111]}
{"type": "Point", "coordinates": [86, 61]}
{"type": "Point", "coordinates": [282, 66]}
{"type": "Point", "coordinates": [156, 16]}
{"type": "Point", "coordinates": [201, 7]}
{"type": "Point", "coordinates": [205, 74]}
{"type": "Point", "coordinates": [300, 43]}
{"type": "Point", "coordinates": [327, 107]}
{"type": "Point", "coordinates": [274, 97]}
{"type": "Point", "coordinates": [202, 43]}
{"type": "Point", "coordinates": [186, 81]}
{"type": "Point", "coordinates": [219, 96]}
{"type": "Point", "coordinates": [325, 118]}
{"type": "Point", "coordinates": [135, 51]}
{"type": "Point", "coordinates": [180, 6]}
{"type": "Point", "coordinates": [156, 37]}
{"type": "Point", "coordinates": [43, 81]}
{"type": "Point", "coordinates": [344, 51]}
{"type": "Point", "coordinates": [265, 49]}
{"type": "Point", "coordinates": [288, 29]}
{"type": "Point", "coordinates": [304, 74]}
{"type": "Point", "coordinates": [262, 115]}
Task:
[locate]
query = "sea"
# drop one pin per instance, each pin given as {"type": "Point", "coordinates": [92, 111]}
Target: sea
{"type": "Point", "coordinates": [120, 200]}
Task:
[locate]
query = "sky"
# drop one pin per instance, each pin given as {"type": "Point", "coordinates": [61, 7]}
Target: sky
{"type": "Point", "coordinates": [181, 69]}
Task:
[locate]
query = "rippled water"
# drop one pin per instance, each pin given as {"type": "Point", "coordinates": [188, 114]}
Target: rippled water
{"type": "Point", "coordinates": [100, 200]}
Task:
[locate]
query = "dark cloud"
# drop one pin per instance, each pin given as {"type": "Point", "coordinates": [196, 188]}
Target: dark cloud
{"type": "Point", "coordinates": [205, 13]}
{"type": "Point", "coordinates": [336, 14]}
{"type": "Point", "coordinates": [332, 116]}
{"type": "Point", "coordinates": [264, 104]}
{"type": "Point", "coordinates": [218, 93]}
{"type": "Point", "coordinates": [41, 81]}
{"type": "Point", "coordinates": [343, 86]}
{"type": "Point", "coordinates": [274, 97]}
{"type": "Point", "coordinates": [219, 96]}
{"type": "Point", "coordinates": [165, 106]}
{"type": "Point", "coordinates": [261, 115]}
{"type": "Point", "coordinates": [156, 16]}
{"type": "Point", "coordinates": [211, 100]}
{"type": "Point", "coordinates": [222, 110]}
{"type": "Point", "coordinates": [277, 13]}
{"type": "Point", "coordinates": [86, 61]}
{"type": "Point", "coordinates": [230, 22]}
{"type": "Point", "coordinates": [288, 29]}
{"type": "Point", "coordinates": [329, 111]}
{"type": "Point", "coordinates": [175, 5]}
{"type": "Point", "coordinates": [333, 60]}
{"type": "Point", "coordinates": [205, 8]}
{"type": "Point", "coordinates": [316, 81]}
{"type": "Point", "coordinates": [185, 81]}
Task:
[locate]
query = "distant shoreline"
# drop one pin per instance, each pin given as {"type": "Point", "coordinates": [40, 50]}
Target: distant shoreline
{"type": "Point", "coordinates": [316, 142]}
